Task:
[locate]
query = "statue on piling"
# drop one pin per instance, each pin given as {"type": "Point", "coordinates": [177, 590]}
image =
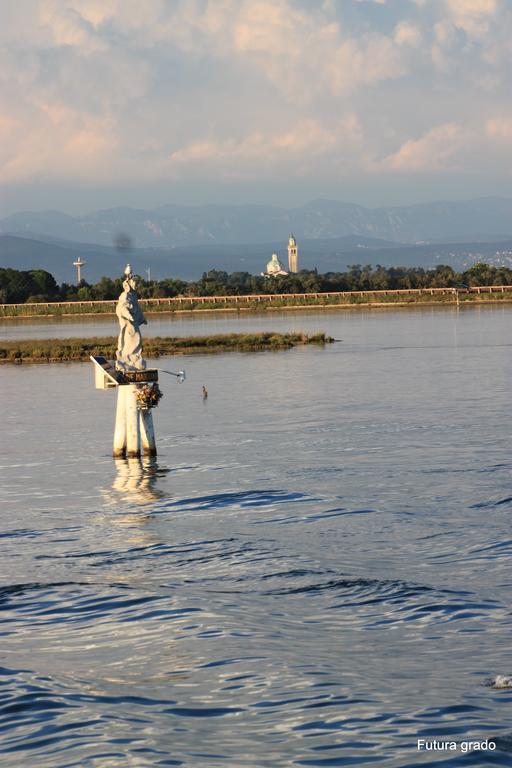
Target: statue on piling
{"type": "Point", "coordinates": [134, 422]}
{"type": "Point", "coordinates": [137, 386]}
{"type": "Point", "coordinates": [131, 317]}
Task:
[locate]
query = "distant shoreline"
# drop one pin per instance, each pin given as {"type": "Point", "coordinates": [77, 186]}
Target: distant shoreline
{"type": "Point", "coordinates": [271, 302]}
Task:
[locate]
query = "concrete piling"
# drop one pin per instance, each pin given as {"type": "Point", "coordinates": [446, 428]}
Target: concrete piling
{"type": "Point", "coordinates": [132, 422]}
{"type": "Point", "coordinates": [120, 428]}
{"type": "Point", "coordinates": [147, 433]}
{"type": "Point", "coordinates": [134, 431]}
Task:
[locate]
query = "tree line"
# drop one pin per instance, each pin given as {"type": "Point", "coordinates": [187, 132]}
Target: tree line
{"type": "Point", "coordinates": [37, 285]}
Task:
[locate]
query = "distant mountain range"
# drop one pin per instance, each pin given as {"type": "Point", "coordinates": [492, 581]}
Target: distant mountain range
{"type": "Point", "coordinates": [189, 262]}
{"type": "Point", "coordinates": [186, 241]}
{"type": "Point", "coordinates": [172, 226]}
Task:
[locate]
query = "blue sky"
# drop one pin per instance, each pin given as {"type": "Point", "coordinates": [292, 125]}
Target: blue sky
{"type": "Point", "coordinates": [122, 102]}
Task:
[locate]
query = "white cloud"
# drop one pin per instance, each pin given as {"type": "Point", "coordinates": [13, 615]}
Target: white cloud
{"type": "Point", "coordinates": [472, 16]}
{"type": "Point", "coordinates": [499, 128]}
{"type": "Point", "coordinates": [465, 11]}
{"type": "Point", "coordinates": [432, 152]}
{"type": "Point", "coordinates": [91, 89]}
{"type": "Point", "coordinates": [66, 26]}
{"type": "Point", "coordinates": [305, 143]}
{"type": "Point", "coordinates": [293, 46]}
{"type": "Point", "coordinates": [407, 34]}
{"type": "Point", "coordinates": [58, 138]}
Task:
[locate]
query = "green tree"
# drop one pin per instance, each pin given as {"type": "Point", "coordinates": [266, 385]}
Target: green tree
{"type": "Point", "coordinates": [106, 288]}
{"type": "Point", "coordinates": [85, 292]}
{"type": "Point", "coordinates": [17, 285]}
{"type": "Point", "coordinates": [44, 283]}
{"type": "Point", "coordinates": [444, 276]}
{"type": "Point", "coordinates": [480, 274]}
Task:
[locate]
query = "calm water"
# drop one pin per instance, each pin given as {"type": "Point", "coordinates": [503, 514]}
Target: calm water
{"type": "Point", "coordinates": [315, 572]}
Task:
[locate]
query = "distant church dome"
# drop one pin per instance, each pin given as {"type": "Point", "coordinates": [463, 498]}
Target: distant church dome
{"type": "Point", "coordinates": [274, 266]}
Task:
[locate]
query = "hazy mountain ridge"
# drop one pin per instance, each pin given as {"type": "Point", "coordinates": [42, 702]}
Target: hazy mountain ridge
{"type": "Point", "coordinates": [189, 262]}
{"type": "Point", "coordinates": [172, 226]}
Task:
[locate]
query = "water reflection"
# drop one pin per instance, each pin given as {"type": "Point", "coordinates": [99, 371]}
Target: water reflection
{"type": "Point", "coordinates": [319, 550]}
{"type": "Point", "coordinates": [136, 481]}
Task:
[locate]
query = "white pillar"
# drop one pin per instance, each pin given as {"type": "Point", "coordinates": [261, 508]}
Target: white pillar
{"type": "Point", "coordinates": [147, 433]}
{"type": "Point", "coordinates": [132, 422]}
{"type": "Point", "coordinates": [120, 428]}
{"type": "Point", "coordinates": [134, 428]}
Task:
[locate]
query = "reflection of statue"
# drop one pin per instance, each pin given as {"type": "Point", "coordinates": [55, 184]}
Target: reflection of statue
{"type": "Point", "coordinates": [136, 479]}
{"type": "Point", "coordinates": [131, 317]}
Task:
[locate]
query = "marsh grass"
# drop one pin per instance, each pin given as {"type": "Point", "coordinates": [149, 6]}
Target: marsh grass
{"type": "Point", "coordinates": [66, 350]}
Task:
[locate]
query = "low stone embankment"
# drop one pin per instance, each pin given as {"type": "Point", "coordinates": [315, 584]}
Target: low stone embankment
{"type": "Point", "coordinates": [262, 302]}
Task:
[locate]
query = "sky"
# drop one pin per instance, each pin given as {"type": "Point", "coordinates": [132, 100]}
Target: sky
{"type": "Point", "coordinates": [122, 102]}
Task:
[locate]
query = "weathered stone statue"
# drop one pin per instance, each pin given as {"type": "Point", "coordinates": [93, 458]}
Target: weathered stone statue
{"type": "Point", "coordinates": [131, 317]}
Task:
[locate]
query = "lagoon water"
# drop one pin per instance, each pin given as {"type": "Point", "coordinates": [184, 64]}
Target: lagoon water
{"type": "Point", "coordinates": [314, 572]}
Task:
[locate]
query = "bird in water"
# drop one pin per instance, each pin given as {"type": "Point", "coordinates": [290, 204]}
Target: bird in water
{"type": "Point", "coordinates": [501, 682]}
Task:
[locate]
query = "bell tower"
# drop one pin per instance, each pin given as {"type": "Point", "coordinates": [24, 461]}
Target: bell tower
{"type": "Point", "coordinates": [293, 257]}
